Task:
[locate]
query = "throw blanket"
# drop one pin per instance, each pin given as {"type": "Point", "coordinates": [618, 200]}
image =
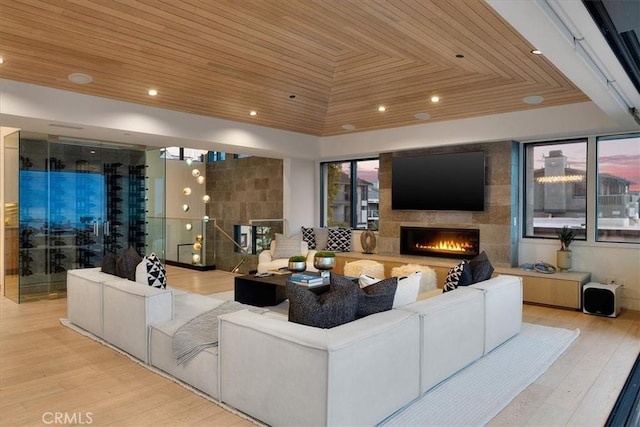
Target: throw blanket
{"type": "Point", "coordinates": [202, 331]}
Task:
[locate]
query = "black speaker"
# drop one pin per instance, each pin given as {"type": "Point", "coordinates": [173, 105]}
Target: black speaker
{"type": "Point", "coordinates": [600, 299]}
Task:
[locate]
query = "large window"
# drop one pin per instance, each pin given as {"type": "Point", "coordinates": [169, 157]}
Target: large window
{"type": "Point", "coordinates": [618, 189]}
{"type": "Point", "coordinates": [590, 185]}
{"type": "Point", "coordinates": [555, 191]}
{"type": "Point", "coordinates": [351, 194]}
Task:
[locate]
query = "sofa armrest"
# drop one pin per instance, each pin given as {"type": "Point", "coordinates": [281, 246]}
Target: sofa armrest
{"type": "Point", "coordinates": [128, 310]}
{"type": "Point", "coordinates": [357, 373]}
{"type": "Point", "coordinates": [503, 308]}
{"type": "Point", "coordinates": [264, 256]}
{"type": "Point", "coordinates": [452, 333]}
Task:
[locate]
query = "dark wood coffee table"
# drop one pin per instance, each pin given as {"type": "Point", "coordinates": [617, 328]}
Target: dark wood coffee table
{"type": "Point", "coordinates": [266, 291]}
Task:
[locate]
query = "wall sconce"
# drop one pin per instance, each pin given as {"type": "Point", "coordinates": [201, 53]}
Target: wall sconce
{"type": "Point", "coordinates": [195, 173]}
{"type": "Point", "coordinates": [206, 198]}
{"type": "Point", "coordinates": [186, 191]}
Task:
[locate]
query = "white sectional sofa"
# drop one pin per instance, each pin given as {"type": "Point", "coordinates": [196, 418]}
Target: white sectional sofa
{"type": "Point", "coordinates": [287, 374]}
{"type": "Point", "coordinates": [284, 373]}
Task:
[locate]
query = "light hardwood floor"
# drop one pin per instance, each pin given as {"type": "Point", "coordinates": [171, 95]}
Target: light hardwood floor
{"type": "Point", "coordinates": [47, 368]}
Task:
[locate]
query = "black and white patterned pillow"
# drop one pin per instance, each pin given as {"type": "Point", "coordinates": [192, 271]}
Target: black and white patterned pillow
{"type": "Point", "coordinates": [309, 236]}
{"type": "Point", "coordinates": [460, 275]}
{"type": "Point", "coordinates": [339, 240]}
{"type": "Point", "coordinates": [156, 273]}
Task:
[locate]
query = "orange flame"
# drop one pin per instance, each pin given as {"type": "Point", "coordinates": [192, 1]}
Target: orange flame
{"type": "Point", "coordinates": [448, 246]}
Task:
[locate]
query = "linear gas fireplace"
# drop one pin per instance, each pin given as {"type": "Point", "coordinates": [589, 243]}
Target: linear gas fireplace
{"type": "Point", "coordinates": [440, 242]}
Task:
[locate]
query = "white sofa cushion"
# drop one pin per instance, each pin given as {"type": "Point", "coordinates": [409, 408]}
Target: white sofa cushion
{"type": "Point", "coordinates": [408, 289]}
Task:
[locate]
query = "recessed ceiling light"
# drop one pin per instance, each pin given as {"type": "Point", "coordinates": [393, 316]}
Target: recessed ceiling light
{"type": "Point", "coordinates": [80, 78]}
{"type": "Point", "coordinates": [435, 99]}
{"type": "Point", "coordinates": [152, 92]}
{"type": "Point", "coordinates": [422, 116]}
{"type": "Point", "coordinates": [348, 127]}
{"type": "Point", "coordinates": [382, 108]}
{"type": "Point", "coordinates": [253, 113]}
{"type": "Point", "coordinates": [534, 99]}
{"type": "Point", "coordinates": [536, 52]}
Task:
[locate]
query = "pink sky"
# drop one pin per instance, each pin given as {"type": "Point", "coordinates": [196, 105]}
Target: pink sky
{"type": "Point", "coordinates": [619, 157]}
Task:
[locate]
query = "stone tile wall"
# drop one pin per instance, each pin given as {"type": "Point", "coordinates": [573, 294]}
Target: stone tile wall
{"type": "Point", "coordinates": [498, 235]}
{"type": "Point", "coordinates": [242, 189]}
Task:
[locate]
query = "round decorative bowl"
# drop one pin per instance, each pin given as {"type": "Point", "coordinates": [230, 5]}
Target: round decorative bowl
{"type": "Point", "coordinates": [324, 263]}
{"type": "Point", "coordinates": [297, 266]}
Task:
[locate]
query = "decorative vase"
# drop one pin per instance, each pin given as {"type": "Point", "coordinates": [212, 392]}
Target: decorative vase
{"type": "Point", "coordinates": [324, 264]}
{"type": "Point", "coordinates": [564, 260]}
{"type": "Point", "coordinates": [368, 241]}
{"type": "Point", "coordinates": [297, 266]}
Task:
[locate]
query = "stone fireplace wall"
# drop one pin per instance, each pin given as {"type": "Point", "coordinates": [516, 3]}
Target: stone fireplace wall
{"type": "Point", "coordinates": [242, 189]}
{"type": "Point", "coordinates": [498, 231]}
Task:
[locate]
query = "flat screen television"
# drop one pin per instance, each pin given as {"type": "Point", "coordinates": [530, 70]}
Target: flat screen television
{"type": "Point", "coordinates": [447, 181]}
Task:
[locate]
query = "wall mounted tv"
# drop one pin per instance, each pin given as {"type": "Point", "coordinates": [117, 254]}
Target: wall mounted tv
{"type": "Point", "coordinates": [447, 181]}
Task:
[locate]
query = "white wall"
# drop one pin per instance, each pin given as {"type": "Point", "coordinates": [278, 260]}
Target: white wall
{"type": "Point", "coordinates": [301, 204]}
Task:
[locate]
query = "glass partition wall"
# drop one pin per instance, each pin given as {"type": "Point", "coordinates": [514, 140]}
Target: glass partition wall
{"type": "Point", "coordinates": [76, 200]}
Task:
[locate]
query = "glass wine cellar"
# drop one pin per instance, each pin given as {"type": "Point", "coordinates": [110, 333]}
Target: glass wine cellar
{"type": "Point", "coordinates": [67, 203]}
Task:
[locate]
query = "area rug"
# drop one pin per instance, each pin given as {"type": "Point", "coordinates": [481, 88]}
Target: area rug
{"type": "Point", "coordinates": [475, 395]}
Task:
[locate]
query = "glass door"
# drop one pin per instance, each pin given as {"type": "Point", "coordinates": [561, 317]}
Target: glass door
{"type": "Point", "coordinates": [77, 200]}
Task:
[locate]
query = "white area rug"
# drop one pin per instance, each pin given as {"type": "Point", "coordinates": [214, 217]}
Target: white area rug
{"type": "Point", "coordinates": [475, 395]}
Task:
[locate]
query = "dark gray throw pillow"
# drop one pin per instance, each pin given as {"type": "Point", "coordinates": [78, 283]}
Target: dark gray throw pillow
{"type": "Point", "coordinates": [377, 297]}
{"type": "Point", "coordinates": [109, 263]}
{"type": "Point", "coordinates": [332, 308]}
{"type": "Point", "coordinates": [481, 268]}
{"type": "Point", "coordinates": [127, 263]}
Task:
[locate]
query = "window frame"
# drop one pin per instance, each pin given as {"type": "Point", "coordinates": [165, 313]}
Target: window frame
{"type": "Point", "coordinates": [591, 185]}
{"type": "Point", "coordinates": [354, 207]}
{"type": "Point", "coordinates": [525, 188]}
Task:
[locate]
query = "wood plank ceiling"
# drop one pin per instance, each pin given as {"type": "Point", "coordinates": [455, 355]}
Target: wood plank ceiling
{"type": "Point", "coordinates": [307, 66]}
